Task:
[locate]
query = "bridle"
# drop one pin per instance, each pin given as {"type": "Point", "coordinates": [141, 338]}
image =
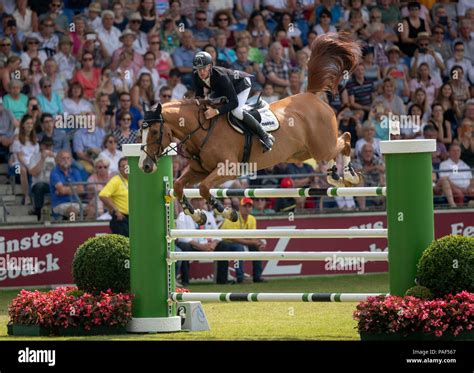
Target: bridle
{"type": "Point", "coordinates": [153, 116]}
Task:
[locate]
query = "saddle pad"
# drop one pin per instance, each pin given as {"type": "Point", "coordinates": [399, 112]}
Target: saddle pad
{"type": "Point", "coordinates": [269, 120]}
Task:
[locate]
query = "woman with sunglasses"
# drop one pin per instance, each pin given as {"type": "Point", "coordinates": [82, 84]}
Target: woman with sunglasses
{"type": "Point", "coordinates": [32, 51]}
{"type": "Point", "coordinates": [111, 153]}
{"type": "Point", "coordinates": [124, 134]}
{"type": "Point", "coordinates": [223, 20]}
{"type": "Point", "coordinates": [88, 76]}
{"type": "Point", "coordinates": [412, 26]}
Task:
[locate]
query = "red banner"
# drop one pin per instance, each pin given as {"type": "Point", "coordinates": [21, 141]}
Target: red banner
{"type": "Point", "coordinates": [42, 256]}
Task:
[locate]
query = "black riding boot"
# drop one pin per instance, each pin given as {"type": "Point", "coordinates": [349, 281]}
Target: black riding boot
{"type": "Point", "coordinates": [254, 125]}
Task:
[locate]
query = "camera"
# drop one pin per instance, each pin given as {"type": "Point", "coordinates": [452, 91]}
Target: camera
{"type": "Point", "coordinates": [11, 23]}
{"type": "Point", "coordinates": [423, 50]}
{"type": "Point", "coordinates": [443, 20]}
{"type": "Point", "coordinates": [34, 107]}
{"type": "Point", "coordinates": [110, 110]}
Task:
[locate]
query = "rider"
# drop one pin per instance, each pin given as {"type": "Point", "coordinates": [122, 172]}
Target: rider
{"type": "Point", "coordinates": [235, 85]}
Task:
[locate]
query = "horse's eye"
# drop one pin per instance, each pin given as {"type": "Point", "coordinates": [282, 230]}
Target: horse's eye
{"type": "Point", "coordinates": [154, 132]}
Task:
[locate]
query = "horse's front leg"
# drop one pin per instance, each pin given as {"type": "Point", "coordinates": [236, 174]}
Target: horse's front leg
{"type": "Point", "coordinates": [213, 179]}
{"type": "Point", "coordinates": [189, 177]}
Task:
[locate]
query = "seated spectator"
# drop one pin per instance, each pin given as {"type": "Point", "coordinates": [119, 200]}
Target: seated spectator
{"type": "Point", "coordinates": [115, 198]}
{"type": "Point", "coordinates": [445, 134]}
{"type": "Point", "coordinates": [246, 221]}
{"type": "Point", "coordinates": [26, 19]}
{"type": "Point", "coordinates": [223, 21]}
{"type": "Point", "coordinates": [5, 51]}
{"type": "Point", "coordinates": [224, 53]}
{"type": "Point", "coordinates": [268, 93]}
{"type": "Point", "coordinates": [379, 117]}
{"type": "Point", "coordinates": [212, 50]}
{"type": "Point", "coordinates": [183, 58]}
{"type": "Point", "coordinates": [244, 64]}
{"type": "Point", "coordinates": [258, 30]}
{"type": "Point", "coordinates": [174, 83]}
{"type": "Point", "coordinates": [415, 118]}
{"type": "Point", "coordinates": [58, 81]}
{"type": "Point", "coordinates": [466, 141]}
{"type": "Point", "coordinates": [414, 27]}
{"type": "Point", "coordinates": [459, 59]}
{"type": "Point", "coordinates": [87, 145]}
{"type": "Point", "coordinates": [169, 36]}
{"type": "Point", "coordinates": [165, 94]}
{"type": "Point", "coordinates": [88, 76]}
{"type": "Point", "coordinates": [441, 17]}
{"type": "Point", "coordinates": [120, 21]}
{"type": "Point", "coordinates": [390, 12]}
{"type": "Point", "coordinates": [368, 137]}
{"type": "Point", "coordinates": [123, 133]}
{"type": "Point", "coordinates": [125, 105]}
{"type": "Point", "coordinates": [149, 68]}
{"type": "Point", "coordinates": [140, 45]}
{"type": "Point", "coordinates": [450, 106]}
{"type": "Point", "coordinates": [348, 123]}
{"type": "Point", "coordinates": [201, 31]}
{"type": "Point", "coordinates": [148, 13]}
{"type": "Point", "coordinates": [40, 167]}
{"type": "Point", "coordinates": [78, 36]}
{"type": "Point", "coordinates": [286, 204]}
{"type": "Point", "coordinates": [127, 38]}
{"type": "Point", "coordinates": [325, 23]}
{"type": "Point", "coordinates": [96, 47]}
{"type": "Point", "coordinates": [49, 130]}
{"type": "Point", "coordinates": [356, 25]}
{"type": "Point", "coordinates": [361, 91]}
{"type": "Point", "coordinates": [111, 153]}
{"type": "Point", "coordinates": [441, 154]}
{"type": "Point", "coordinates": [61, 23]}
{"type": "Point", "coordinates": [143, 93]}
{"type": "Point", "coordinates": [440, 44]}
{"type": "Point", "coordinates": [7, 129]}
{"type": "Point", "coordinates": [16, 101]}
{"type": "Point", "coordinates": [184, 221]}
{"type": "Point", "coordinates": [425, 54]}
{"type": "Point", "coordinates": [373, 170]}
{"type": "Point", "coordinates": [296, 84]}
{"type": "Point", "coordinates": [34, 110]}
{"type": "Point", "coordinates": [108, 34]}
{"type": "Point", "coordinates": [163, 63]}
{"type": "Point", "coordinates": [104, 112]}
{"type": "Point", "coordinates": [388, 97]}
{"type": "Point", "coordinates": [356, 5]}
{"type": "Point", "coordinates": [64, 58]}
{"type": "Point", "coordinates": [93, 19]}
{"type": "Point", "coordinates": [260, 207]}
{"type": "Point", "coordinates": [420, 98]}
{"type": "Point", "coordinates": [23, 149]}
{"type": "Point", "coordinates": [372, 70]}
{"type": "Point", "coordinates": [424, 80]}
{"type": "Point", "coordinates": [35, 73]}
{"type": "Point", "coordinates": [335, 10]}
{"type": "Point", "coordinates": [465, 32]}
{"type": "Point", "coordinates": [6, 74]}
{"type": "Point", "coordinates": [458, 175]}
{"type": "Point", "coordinates": [96, 183]}
{"type": "Point", "coordinates": [49, 101]}
{"type": "Point", "coordinates": [276, 69]}
{"type": "Point", "coordinates": [460, 86]}
{"type": "Point", "coordinates": [64, 195]}
{"type": "Point", "coordinates": [74, 103]}
{"type": "Point", "coordinates": [11, 32]}
{"type": "Point", "coordinates": [48, 39]}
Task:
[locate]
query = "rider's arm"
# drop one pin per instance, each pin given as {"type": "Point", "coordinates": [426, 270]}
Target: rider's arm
{"type": "Point", "coordinates": [225, 85]}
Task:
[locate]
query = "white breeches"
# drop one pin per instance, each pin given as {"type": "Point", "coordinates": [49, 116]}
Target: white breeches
{"type": "Point", "coordinates": [242, 98]}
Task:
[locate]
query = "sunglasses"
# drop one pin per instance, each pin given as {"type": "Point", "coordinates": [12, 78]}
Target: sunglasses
{"type": "Point", "coordinates": [423, 44]}
{"type": "Point", "coordinates": [55, 5]}
{"type": "Point", "coordinates": [33, 42]}
{"type": "Point", "coordinates": [136, 21]}
{"type": "Point", "coordinates": [201, 19]}
{"type": "Point", "coordinates": [166, 96]}
{"type": "Point", "coordinates": [5, 45]}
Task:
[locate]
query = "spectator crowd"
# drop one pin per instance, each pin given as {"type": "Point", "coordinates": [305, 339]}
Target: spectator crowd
{"type": "Point", "coordinates": [76, 77]}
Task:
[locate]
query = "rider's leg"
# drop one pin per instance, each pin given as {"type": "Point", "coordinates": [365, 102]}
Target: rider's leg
{"type": "Point", "coordinates": [253, 124]}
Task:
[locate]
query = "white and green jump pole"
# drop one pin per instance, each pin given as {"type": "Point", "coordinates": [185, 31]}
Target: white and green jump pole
{"type": "Point", "coordinates": [410, 223]}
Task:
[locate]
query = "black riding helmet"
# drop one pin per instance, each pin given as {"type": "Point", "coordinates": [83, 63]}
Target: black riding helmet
{"type": "Point", "coordinates": [201, 60]}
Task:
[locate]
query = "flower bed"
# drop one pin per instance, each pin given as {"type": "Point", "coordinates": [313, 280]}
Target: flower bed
{"type": "Point", "coordinates": [68, 307]}
{"type": "Point", "coordinates": [450, 316]}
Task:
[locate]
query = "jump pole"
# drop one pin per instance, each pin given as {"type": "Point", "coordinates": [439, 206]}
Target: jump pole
{"type": "Point", "coordinates": [410, 216]}
{"type": "Point", "coordinates": [150, 276]}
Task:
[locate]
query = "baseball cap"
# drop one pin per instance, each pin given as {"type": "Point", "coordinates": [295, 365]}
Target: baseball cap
{"type": "Point", "coordinates": [245, 201]}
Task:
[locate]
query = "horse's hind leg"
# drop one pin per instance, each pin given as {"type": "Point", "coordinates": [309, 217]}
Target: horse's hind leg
{"type": "Point", "coordinates": [189, 177]}
{"type": "Point", "coordinates": [350, 176]}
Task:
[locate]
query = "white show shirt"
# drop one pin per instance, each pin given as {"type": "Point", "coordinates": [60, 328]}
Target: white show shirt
{"type": "Point", "coordinates": [455, 172]}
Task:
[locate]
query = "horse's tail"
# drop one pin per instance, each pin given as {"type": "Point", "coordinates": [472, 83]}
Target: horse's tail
{"type": "Point", "coordinates": [333, 56]}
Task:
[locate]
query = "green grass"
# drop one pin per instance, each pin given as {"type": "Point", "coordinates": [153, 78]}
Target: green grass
{"type": "Point", "coordinates": [262, 321]}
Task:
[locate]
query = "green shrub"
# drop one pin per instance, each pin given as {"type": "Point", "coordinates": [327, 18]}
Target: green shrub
{"type": "Point", "coordinates": [102, 263]}
{"type": "Point", "coordinates": [421, 292]}
{"type": "Point", "coordinates": [447, 266]}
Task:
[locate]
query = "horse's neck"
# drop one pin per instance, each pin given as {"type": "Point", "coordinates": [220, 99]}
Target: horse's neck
{"type": "Point", "coordinates": [183, 121]}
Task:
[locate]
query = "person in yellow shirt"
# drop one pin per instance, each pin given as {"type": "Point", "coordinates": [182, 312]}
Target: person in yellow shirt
{"type": "Point", "coordinates": [246, 221]}
{"type": "Point", "coordinates": [114, 195]}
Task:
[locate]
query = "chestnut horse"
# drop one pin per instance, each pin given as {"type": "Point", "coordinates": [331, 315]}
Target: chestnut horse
{"type": "Point", "coordinates": [308, 129]}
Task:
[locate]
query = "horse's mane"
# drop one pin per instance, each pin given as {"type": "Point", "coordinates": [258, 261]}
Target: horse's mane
{"type": "Point", "coordinates": [333, 56]}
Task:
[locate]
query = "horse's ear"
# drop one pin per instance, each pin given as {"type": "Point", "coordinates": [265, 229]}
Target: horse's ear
{"type": "Point", "coordinates": [158, 108]}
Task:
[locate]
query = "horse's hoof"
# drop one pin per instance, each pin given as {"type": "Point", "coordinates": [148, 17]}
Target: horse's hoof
{"type": "Point", "coordinates": [339, 183]}
{"type": "Point", "coordinates": [234, 216]}
{"type": "Point", "coordinates": [199, 217]}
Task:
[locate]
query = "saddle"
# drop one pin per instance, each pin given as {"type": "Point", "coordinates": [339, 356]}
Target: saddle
{"type": "Point", "coordinates": [256, 107]}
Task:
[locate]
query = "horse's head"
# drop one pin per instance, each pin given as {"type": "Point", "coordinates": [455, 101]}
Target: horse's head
{"type": "Point", "coordinates": [155, 138]}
